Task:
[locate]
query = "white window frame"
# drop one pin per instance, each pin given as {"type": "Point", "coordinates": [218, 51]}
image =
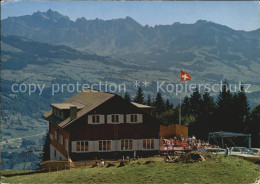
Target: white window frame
{"type": "Point", "coordinates": [124, 141]}
{"type": "Point", "coordinates": [117, 115]}
{"type": "Point", "coordinates": [84, 146]}
{"type": "Point", "coordinates": [136, 118]}
{"type": "Point", "coordinates": [106, 149]}
{"type": "Point", "coordinates": [94, 116]}
{"type": "Point", "coordinates": [148, 142]}
{"type": "Point", "coordinates": [100, 117]}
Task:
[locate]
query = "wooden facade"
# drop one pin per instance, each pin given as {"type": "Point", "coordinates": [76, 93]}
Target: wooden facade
{"type": "Point", "coordinates": [173, 130]}
{"type": "Point", "coordinates": [106, 129]}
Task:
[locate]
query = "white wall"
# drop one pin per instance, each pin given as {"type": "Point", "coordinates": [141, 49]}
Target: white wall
{"type": "Point", "coordinates": [58, 154]}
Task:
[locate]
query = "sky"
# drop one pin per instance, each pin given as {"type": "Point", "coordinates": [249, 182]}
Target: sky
{"type": "Point", "coordinates": [239, 15]}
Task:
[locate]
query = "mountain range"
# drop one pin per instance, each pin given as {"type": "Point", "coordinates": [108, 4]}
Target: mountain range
{"type": "Point", "coordinates": [195, 47]}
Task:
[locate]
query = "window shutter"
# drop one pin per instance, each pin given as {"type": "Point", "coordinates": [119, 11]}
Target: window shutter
{"type": "Point", "coordinates": [91, 146]}
{"type": "Point", "coordinates": [135, 144]}
{"type": "Point", "coordinates": [121, 118]}
{"type": "Point", "coordinates": [51, 136]}
{"type": "Point", "coordinates": [73, 146]}
{"type": "Point", "coordinates": [96, 145]}
{"type": "Point", "coordinates": [109, 118]}
{"type": "Point", "coordinates": [128, 118]}
{"type": "Point", "coordinates": [101, 119]}
{"type": "Point", "coordinates": [140, 118]}
{"type": "Point", "coordinates": [89, 119]}
{"type": "Point", "coordinates": [118, 145]}
{"type": "Point", "coordinates": [113, 145]}
{"type": "Point", "coordinates": [140, 144]}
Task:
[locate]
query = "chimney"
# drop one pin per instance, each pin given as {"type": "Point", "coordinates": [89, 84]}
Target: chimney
{"type": "Point", "coordinates": [73, 112]}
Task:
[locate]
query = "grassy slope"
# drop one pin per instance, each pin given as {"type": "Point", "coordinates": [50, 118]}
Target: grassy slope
{"type": "Point", "coordinates": [220, 170]}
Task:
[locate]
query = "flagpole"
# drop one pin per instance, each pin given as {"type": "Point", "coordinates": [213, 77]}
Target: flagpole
{"type": "Point", "coordinates": [180, 103]}
{"type": "Point", "coordinates": [183, 77]}
{"type": "Point", "coordinates": [180, 110]}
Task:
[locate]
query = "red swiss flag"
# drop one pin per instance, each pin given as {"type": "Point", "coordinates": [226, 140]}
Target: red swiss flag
{"type": "Point", "coordinates": [185, 76]}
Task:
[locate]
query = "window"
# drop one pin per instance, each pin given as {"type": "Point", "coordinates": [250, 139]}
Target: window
{"type": "Point", "coordinates": [133, 118]}
{"type": "Point", "coordinates": [51, 137]}
{"type": "Point", "coordinates": [144, 143]}
{"type": "Point", "coordinates": [61, 139]}
{"type": "Point", "coordinates": [148, 143]}
{"type": "Point", "coordinates": [95, 119]}
{"type": "Point", "coordinates": [66, 145]}
{"type": "Point", "coordinates": [115, 118]}
{"type": "Point", "coordinates": [55, 136]}
{"type": "Point", "coordinates": [104, 145]}
{"type": "Point", "coordinates": [55, 154]}
{"type": "Point", "coordinates": [82, 146]}
{"type": "Point", "coordinates": [126, 144]}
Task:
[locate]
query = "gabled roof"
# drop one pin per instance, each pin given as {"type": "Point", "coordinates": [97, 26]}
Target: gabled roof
{"type": "Point", "coordinates": [63, 106]}
{"type": "Point", "coordinates": [88, 99]}
{"type": "Point", "coordinates": [142, 106]}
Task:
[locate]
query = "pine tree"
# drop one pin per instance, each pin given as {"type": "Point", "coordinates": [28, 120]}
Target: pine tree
{"type": "Point", "coordinates": [223, 116]}
{"type": "Point", "coordinates": [185, 106]}
{"type": "Point", "coordinates": [254, 127]}
{"type": "Point", "coordinates": [208, 104]}
{"type": "Point", "coordinates": [206, 116]}
{"type": "Point", "coordinates": [168, 105]}
{"type": "Point", "coordinates": [127, 97]}
{"type": "Point", "coordinates": [195, 102]}
{"type": "Point", "coordinates": [46, 148]}
{"type": "Point", "coordinates": [159, 104]}
{"type": "Point", "coordinates": [167, 117]}
{"type": "Point", "coordinates": [139, 98]}
{"type": "Point", "coordinates": [148, 101]}
{"type": "Point", "coordinates": [241, 111]}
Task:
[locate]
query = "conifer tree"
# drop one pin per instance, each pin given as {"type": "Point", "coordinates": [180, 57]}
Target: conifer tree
{"type": "Point", "coordinates": [168, 105]}
{"type": "Point", "coordinates": [46, 148]}
{"type": "Point", "coordinates": [159, 104]}
{"type": "Point", "coordinates": [148, 101]}
{"type": "Point", "coordinates": [139, 98]}
{"type": "Point", "coordinates": [241, 111]}
{"type": "Point", "coordinates": [185, 106]}
{"type": "Point", "coordinates": [223, 116]}
{"type": "Point", "coordinates": [254, 127]}
{"type": "Point", "coordinates": [195, 102]}
{"type": "Point", "coordinates": [206, 116]}
{"type": "Point", "coordinates": [127, 97]}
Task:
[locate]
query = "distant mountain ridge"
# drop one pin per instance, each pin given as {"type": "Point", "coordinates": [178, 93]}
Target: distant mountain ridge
{"type": "Point", "coordinates": [124, 36]}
